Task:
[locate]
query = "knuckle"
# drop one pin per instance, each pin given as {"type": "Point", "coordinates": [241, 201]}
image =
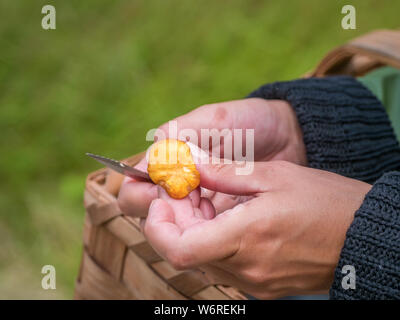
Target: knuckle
{"type": "Point", "coordinates": [220, 169]}
{"type": "Point", "coordinates": [254, 276]}
{"type": "Point", "coordinates": [261, 228]}
{"type": "Point", "coordinates": [207, 106]}
{"type": "Point", "coordinates": [179, 259]}
{"type": "Point", "coordinates": [280, 165]}
{"type": "Point", "coordinates": [278, 171]}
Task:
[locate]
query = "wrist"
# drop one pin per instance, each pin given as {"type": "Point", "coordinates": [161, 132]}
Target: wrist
{"type": "Point", "coordinates": [342, 122]}
{"type": "Point", "coordinates": [294, 148]}
{"type": "Point", "coordinates": [371, 245]}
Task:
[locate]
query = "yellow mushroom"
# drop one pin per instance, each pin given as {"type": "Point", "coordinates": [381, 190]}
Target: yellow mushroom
{"type": "Point", "coordinates": [170, 165]}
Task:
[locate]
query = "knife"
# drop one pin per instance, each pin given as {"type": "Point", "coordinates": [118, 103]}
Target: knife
{"type": "Point", "coordinates": [121, 167]}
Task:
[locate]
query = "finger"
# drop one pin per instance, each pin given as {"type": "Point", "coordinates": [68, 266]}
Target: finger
{"type": "Point", "coordinates": [160, 228]}
{"type": "Point", "coordinates": [224, 178]}
{"type": "Point", "coordinates": [185, 214]}
{"type": "Point", "coordinates": [142, 164]}
{"type": "Point", "coordinates": [229, 178]}
{"type": "Point", "coordinates": [223, 201]}
{"type": "Point", "coordinates": [195, 197]}
{"type": "Point", "coordinates": [206, 241]}
{"type": "Point", "coordinates": [134, 197]}
{"type": "Point", "coordinates": [207, 209]}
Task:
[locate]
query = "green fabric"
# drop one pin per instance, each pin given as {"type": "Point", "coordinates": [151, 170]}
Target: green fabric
{"type": "Point", "coordinates": [385, 85]}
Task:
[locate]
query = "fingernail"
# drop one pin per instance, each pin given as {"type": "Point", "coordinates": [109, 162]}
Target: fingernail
{"type": "Point", "coordinates": [199, 155]}
{"type": "Point", "coordinates": [205, 193]}
{"type": "Point", "coordinates": [162, 194]}
{"type": "Point", "coordinates": [152, 204]}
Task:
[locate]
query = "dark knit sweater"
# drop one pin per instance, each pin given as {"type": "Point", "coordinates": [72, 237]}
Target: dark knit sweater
{"type": "Point", "coordinates": [347, 131]}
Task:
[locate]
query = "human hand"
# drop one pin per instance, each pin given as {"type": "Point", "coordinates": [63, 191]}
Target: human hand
{"type": "Point", "coordinates": [277, 136]}
{"type": "Point", "coordinates": [286, 240]}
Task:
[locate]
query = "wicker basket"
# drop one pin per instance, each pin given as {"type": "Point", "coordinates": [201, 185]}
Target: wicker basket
{"type": "Point", "coordinates": [117, 261]}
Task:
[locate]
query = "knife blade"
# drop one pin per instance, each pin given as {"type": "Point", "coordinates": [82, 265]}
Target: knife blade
{"type": "Point", "coordinates": [120, 167]}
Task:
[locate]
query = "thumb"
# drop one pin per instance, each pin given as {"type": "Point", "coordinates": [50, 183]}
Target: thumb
{"type": "Point", "coordinates": [160, 228]}
{"type": "Point", "coordinates": [239, 178]}
{"type": "Point", "coordinates": [210, 240]}
{"type": "Point", "coordinates": [224, 178]}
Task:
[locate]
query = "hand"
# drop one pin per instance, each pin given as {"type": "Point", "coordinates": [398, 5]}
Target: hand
{"type": "Point", "coordinates": [277, 136]}
{"type": "Point", "coordinates": [286, 240]}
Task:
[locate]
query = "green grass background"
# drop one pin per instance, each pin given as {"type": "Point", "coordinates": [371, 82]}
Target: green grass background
{"type": "Point", "coordinates": [111, 71]}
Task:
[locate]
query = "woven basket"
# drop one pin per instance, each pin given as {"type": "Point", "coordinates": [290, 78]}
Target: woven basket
{"type": "Point", "coordinates": [117, 261]}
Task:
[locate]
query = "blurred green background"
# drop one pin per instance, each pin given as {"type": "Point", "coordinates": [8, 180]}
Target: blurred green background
{"type": "Point", "coordinates": [111, 71]}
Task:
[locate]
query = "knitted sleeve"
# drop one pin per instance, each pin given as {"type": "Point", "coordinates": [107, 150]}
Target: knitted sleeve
{"type": "Point", "coordinates": [372, 246]}
{"type": "Point", "coordinates": [347, 131]}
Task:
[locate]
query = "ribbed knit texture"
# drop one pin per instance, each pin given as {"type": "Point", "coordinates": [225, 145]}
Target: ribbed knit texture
{"type": "Point", "coordinates": [347, 131]}
{"type": "Point", "coordinates": [372, 245]}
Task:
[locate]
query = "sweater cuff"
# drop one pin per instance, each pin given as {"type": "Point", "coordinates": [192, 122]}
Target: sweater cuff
{"type": "Point", "coordinates": [372, 246]}
{"type": "Point", "coordinates": [345, 127]}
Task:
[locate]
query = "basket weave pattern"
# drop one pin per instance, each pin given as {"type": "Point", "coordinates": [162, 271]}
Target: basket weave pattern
{"type": "Point", "coordinates": [118, 262]}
